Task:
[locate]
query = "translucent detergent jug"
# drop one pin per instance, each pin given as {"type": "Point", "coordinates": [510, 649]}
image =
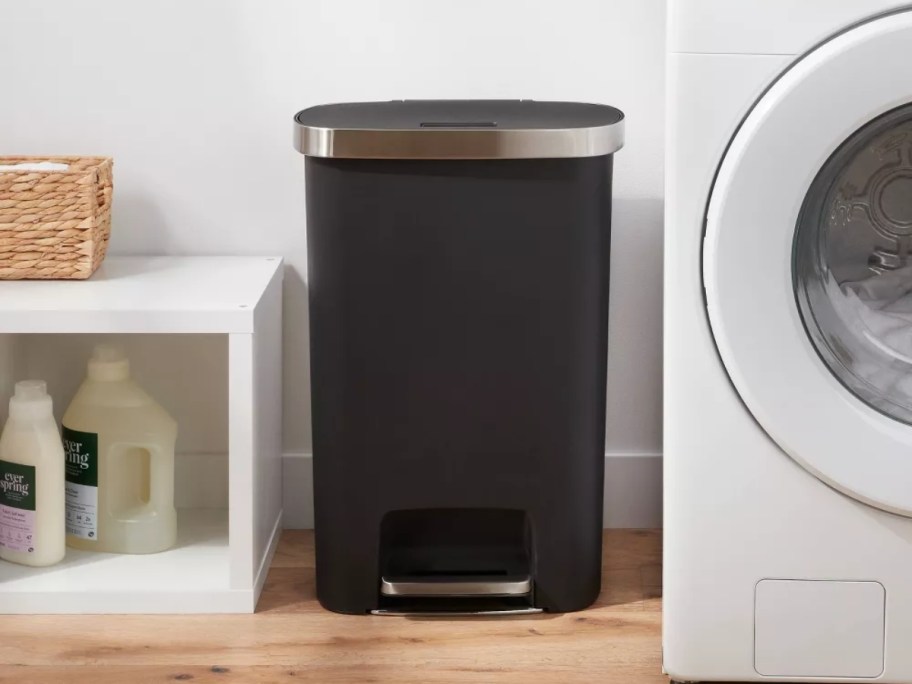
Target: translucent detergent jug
{"type": "Point", "coordinates": [119, 446]}
{"type": "Point", "coordinates": [31, 480]}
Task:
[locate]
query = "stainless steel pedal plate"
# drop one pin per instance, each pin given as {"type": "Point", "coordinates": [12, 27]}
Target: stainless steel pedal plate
{"type": "Point", "coordinates": [455, 586]}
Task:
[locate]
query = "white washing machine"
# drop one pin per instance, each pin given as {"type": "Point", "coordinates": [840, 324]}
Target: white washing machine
{"type": "Point", "coordinates": [788, 341]}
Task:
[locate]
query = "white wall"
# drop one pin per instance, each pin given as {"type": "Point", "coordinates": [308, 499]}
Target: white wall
{"type": "Point", "coordinates": [194, 100]}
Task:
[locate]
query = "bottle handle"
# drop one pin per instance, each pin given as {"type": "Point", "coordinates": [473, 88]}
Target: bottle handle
{"type": "Point", "coordinates": [161, 478]}
{"type": "Point", "coordinates": [161, 474]}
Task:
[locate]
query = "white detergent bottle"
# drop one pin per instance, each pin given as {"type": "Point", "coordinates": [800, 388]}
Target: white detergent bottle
{"type": "Point", "coordinates": [31, 480]}
{"type": "Point", "coordinates": [119, 446]}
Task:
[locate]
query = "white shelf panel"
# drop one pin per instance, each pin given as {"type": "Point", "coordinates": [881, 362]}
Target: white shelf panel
{"type": "Point", "coordinates": [222, 558]}
{"type": "Point", "coordinates": [143, 295]}
{"type": "Point", "coordinates": [192, 577]}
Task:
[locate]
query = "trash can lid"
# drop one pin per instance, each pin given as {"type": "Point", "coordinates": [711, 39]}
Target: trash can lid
{"type": "Point", "coordinates": [459, 129]}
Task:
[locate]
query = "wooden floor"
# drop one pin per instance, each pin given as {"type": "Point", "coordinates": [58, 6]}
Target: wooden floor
{"type": "Point", "coordinates": [292, 639]}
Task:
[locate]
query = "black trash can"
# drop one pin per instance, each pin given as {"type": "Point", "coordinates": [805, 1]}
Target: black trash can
{"type": "Point", "coordinates": [458, 274]}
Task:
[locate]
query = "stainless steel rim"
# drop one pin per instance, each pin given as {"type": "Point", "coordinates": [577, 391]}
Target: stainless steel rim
{"type": "Point", "coordinates": [459, 143]}
{"type": "Point", "coordinates": [457, 613]}
{"type": "Point", "coordinates": [515, 586]}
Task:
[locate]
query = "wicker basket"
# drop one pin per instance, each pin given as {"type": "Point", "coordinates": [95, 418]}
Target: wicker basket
{"type": "Point", "coordinates": [55, 224]}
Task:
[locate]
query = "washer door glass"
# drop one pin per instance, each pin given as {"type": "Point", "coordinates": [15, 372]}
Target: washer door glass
{"type": "Point", "coordinates": [852, 264]}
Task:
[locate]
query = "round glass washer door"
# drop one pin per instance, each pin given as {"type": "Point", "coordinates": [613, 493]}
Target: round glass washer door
{"type": "Point", "coordinates": [808, 235]}
{"type": "Point", "coordinates": [853, 264]}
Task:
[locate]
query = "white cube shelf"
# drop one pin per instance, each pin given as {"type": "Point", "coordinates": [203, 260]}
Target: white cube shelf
{"type": "Point", "coordinates": [221, 559]}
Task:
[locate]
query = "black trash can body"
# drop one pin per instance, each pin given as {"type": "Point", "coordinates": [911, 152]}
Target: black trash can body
{"type": "Point", "coordinates": [458, 332]}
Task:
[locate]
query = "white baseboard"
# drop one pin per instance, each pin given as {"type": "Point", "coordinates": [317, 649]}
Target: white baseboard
{"type": "Point", "coordinates": [633, 490]}
{"type": "Point", "coordinates": [297, 494]}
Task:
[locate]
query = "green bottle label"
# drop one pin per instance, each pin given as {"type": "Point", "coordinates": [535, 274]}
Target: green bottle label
{"type": "Point", "coordinates": [17, 486]}
{"type": "Point", "coordinates": [81, 450]}
{"type": "Point", "coordinates": [17, 507]}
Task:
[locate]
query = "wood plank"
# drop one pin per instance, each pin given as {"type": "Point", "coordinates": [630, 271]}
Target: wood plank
{"type": "Point", "coordinates": [292, 639]}
{"type": "Point", "coordinates": [305, 673]}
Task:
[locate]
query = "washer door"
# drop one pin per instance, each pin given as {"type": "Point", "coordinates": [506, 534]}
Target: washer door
{"type": "Point", "coordinates": [807, 262]}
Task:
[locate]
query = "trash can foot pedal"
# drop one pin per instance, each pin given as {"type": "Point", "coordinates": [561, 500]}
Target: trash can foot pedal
{"type": "Point", "coordinates": [456, 613]}
{"type": "Point", "coordinates": [453, 606]}
{"type": "Point", "coordinates": [455, 586]}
